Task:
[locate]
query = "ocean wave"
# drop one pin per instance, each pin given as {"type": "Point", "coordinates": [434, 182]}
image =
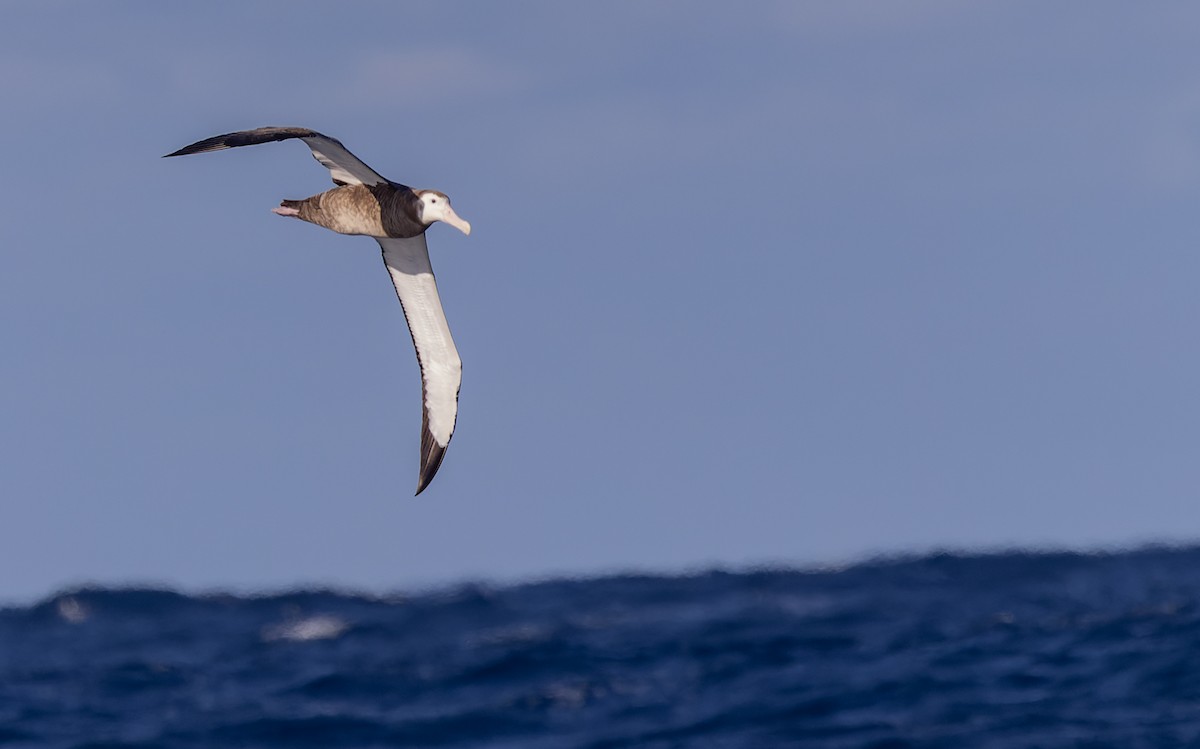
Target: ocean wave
{"type": "Point", "coordinates": [999, 650]}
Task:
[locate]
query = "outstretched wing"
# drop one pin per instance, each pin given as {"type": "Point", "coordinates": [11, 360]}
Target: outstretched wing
{"type": "Point", "coordinates": [407, 261]}
{"type": "Point", "coordinates": [343, 166]}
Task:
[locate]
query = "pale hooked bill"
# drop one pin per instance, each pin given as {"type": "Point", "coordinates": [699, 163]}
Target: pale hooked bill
{"type": "Point", "coordinates": [396, 216]}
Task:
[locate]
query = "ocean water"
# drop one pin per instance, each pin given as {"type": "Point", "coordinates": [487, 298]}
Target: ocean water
{"type": "Point", "coordinates": [1003, 650]}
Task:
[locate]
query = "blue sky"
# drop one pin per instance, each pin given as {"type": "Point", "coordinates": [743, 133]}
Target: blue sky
{"type": "Point", "coordinates": [783, 282]}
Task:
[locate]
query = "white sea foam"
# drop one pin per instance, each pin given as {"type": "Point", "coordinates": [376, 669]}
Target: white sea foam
{"type": "Point", "coordinates": [317, 627]}
{"type": "Point", "coordinates": [73, 610]}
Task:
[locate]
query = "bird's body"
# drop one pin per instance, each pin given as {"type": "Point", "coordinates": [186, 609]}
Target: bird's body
{"type": "Point", "coordinates": [397, 216]}
{"type": "Point", "coordinates": [373, 210]}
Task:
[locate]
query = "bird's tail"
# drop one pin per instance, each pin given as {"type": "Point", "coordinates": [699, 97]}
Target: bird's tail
{"type": "Point", "coordinates": [288, 208]}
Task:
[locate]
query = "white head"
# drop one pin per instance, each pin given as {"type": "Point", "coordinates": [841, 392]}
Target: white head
{"type": "Point", "coordinates": [435, 206]}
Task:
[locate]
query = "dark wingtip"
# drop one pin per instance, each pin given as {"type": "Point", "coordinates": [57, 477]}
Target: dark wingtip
{"type": "Point", "coordinates": [246, 138]}
{"type": "Point", "coordinates": [431, 460]}
{"type": "Point", "coordinates": [209, 144]}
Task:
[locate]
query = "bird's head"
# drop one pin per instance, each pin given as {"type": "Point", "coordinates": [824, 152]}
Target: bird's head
{"type": "Point", "coordinates": [435, 206]}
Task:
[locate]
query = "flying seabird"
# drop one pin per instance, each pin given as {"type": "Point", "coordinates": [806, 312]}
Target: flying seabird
{"type": "Point", "coordinates": [397, 217]}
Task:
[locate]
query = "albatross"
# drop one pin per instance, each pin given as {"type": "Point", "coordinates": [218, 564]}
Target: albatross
{"type": "Point", "coordinates": [395, 216]}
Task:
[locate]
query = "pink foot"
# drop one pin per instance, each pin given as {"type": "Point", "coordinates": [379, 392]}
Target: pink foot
{"type": "Point", "coordinates": [282, 211]}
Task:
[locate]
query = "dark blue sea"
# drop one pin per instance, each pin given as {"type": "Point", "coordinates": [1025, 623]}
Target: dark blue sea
{"type": "Point", "coordinates": [1001, 650]}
